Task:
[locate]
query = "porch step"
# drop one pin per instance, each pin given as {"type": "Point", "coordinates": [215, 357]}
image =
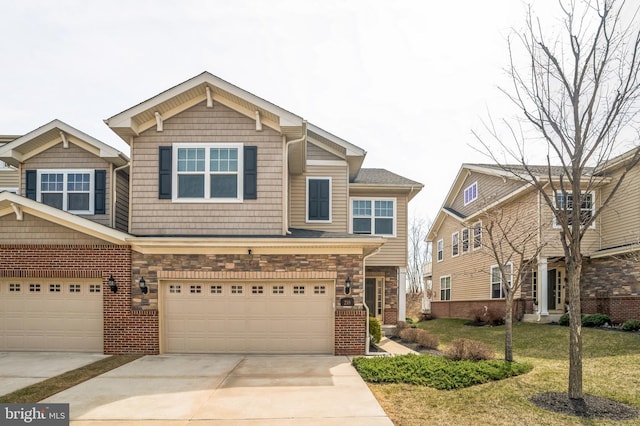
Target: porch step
{"type": "Point", "coordinates": [544, 319]}
{"type": "Point", "coordinates": [388, 330]}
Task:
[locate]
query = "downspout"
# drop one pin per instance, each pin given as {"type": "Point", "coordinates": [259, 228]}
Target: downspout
{"type": "Point", "coordinates": [286, 175]}
{"type": "Point", "coordinates": [114, 196]}
{"type": "Point", "coordinates": [367, 339]}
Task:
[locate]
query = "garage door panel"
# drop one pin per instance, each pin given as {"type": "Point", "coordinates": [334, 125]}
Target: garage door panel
{"type": "Point", "coordinates": [248, 318]}
{"type": "Point", "coordinates": [63, 316]}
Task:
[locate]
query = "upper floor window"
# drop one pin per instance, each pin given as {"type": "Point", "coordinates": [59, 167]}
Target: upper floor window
{"type": "Point", "coordinates": [565, 203]}
{"type": "Point", "coordinates": [471, 193]}
{"type": "Point", "coordinates": [477, 235]}
{"type": "Point", "coordinates": [318, 199]}
{"type": "Point", "coordinates": [208, 172]}
{"type": "Point", "coordinates": [440, 250]}
{"type": "Point", "coordinates": [69, 190]}
{"type": "Point", "coordinates": [497, 290]}
{"type": "Point", "coordinates": [455, 244]}
{"type": "Point", "coordinates": [465, 240]}
{"type": "Point", "coordinates": [445, 288]}
{"type": "Point", "coordinates": [373, 216]}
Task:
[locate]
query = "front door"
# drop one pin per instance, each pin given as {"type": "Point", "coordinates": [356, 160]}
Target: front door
{"type": "Point", "coordinates": [555, 293]}
{"type": "Point", "coordinates": [373, 295]}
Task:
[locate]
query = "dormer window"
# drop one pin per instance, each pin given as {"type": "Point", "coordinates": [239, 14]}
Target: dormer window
{"type": "Point", "coordinates": [471, 193]}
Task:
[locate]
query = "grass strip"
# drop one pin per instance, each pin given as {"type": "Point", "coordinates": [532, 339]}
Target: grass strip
{"type": "Point", "coordinates": [41, 390]}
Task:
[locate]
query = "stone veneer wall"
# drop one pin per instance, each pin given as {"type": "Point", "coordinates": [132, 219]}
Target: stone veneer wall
{"type": "Point", "coordinates": [124, 330]}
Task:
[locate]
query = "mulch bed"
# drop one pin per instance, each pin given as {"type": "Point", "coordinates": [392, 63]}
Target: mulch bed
{"type": "Point", "coordinates": [593, 407]}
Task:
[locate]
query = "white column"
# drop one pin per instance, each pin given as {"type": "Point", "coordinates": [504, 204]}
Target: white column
{"type": "Point", "coordinates": [402, 293]}
{"type": "Point", "coordinates": [543, 287]}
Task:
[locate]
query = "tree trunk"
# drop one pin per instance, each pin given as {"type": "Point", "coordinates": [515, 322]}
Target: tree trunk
{"type": "Point", "coordinates": [508, 329]}
{"type": "Point", "coordinates": [575, 330]}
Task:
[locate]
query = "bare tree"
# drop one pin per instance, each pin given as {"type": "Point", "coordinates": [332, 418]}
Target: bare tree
{"type": "Point", "coordinates": [578, 95]}
{"type": "Point", "coordinates": [417, 254]}
{"type": "Point", "coordinates": [514, 245]}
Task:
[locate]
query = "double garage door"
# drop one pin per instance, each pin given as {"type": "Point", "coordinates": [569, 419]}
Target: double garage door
{"type": "Point", "coordinates": [51, 315]}
{"type": "Point", "coordinates": [254, 317]}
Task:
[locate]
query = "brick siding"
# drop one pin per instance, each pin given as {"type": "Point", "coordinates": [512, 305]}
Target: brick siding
{"type": "Point", "coordinates": [350, 332]}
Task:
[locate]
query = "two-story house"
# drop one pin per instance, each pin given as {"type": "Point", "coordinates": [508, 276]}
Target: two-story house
{"type": "Point", "coordinates": [466, 279]}
{"type": "Point", "coordinates": [235, 226]}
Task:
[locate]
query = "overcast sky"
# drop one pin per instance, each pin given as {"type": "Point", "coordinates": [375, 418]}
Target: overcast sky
{"type": "Point", "coordinates": [405, 80]}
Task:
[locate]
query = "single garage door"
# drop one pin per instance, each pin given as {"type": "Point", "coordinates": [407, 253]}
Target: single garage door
{"type": "Point", "coordinates": [51, 315]}
{"type": "Point", "coordinates": [264, 317]}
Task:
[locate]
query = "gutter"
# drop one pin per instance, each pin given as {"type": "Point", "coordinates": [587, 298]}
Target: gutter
{"type": "Point", "coordinates": [285, 172]}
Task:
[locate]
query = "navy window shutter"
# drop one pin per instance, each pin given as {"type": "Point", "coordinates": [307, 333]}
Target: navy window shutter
{"type": "Point", "coordinates": [318, 192]}
{"type": "Point", "coordinates": [250, 172]}
{"type": "Point", "coordinates": [31, 184]}
{"type": "Point", "coordinates": [100, 192]}
{"type": "Point", "coordinates": [164, 172]}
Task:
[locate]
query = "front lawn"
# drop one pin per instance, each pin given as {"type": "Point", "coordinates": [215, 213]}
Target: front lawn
{"type": "Point", "coordinates": [609, 367]}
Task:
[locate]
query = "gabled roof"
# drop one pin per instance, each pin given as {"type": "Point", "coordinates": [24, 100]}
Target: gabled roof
{"type": "Point", "coordinates": [51, 134]}
{"type": "Point", "coordinates": [381, 179]}
{"type": "Point", "coordinates": [203, 87]}
{"type": "Point", "coordinates": [15, 204]}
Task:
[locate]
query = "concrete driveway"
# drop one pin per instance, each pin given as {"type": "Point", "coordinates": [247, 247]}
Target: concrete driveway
{"type": "Point", "coordinates": [226, 390]}
{"type": "Point", "coordinates": [21, 369]}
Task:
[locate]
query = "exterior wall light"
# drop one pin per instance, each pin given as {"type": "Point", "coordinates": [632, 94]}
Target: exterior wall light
{"type": "Point", "coordinates": [347, 286]}
{"type": "Point", "coordinates": [112, 284]}
{"type": "Point", "coordinates": [143, 286]}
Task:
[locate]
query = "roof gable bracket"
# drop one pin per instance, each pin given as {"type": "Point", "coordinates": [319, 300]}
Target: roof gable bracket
{"type": "Point", "coordinates": [158, 121]}
{"type": "Point", "coordinates": [18, 211]}
{"type": "Point", "coordinates": [209, 97]}
{"type": "Point", "coordinates": [65, 141]}
{"type": "Point", "coordinates": [258, 122]}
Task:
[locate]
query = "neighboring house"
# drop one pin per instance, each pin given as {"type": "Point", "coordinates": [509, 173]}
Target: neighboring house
{"type": "Point", "coordinates": [466, 279]}
{"type": "Point", "coordinates": [235, 226]}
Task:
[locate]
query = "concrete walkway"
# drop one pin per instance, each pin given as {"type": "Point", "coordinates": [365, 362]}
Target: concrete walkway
{"type": "Point", "coordinates": [21, 369]}
{"type": "Point", "coordinates": [394, 348]}
{"type": "Point", "coordinates": [177, 390]}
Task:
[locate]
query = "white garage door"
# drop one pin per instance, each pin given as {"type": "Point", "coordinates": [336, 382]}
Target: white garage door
{"type": "Point", "coordinates": [51, 315]}
{"type": "Point", "coordinates": [264, 317]}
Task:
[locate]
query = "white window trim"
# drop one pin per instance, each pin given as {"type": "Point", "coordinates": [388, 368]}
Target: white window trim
{"type": "Point", "coordinates": [455, 243]}
{"type": "Point", "coordinates": [464, 193]}
{"type": "Point", "coordinates": [473, 236]}
{"type": "Point", "coordinates": [438, 250]}
{"type": "Point", "coordinates": [556, 225]}
{"type": "Point", "coordinates": [12, 190]}
{"type": "Point", "coordinates": [373, 200]}
{"type": "Point", "coordinates": [510, 265]}
{"type": "Point", "coordinates": [306, 208]}
{"type": "Point", "coordinates": [207, 173]}
{"type": "Point", "coordinates": [450, 288]}
{"type": "Point", "coordinates": [66, 172]}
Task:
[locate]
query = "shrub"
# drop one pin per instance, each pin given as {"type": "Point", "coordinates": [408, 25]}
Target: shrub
{"type": "Point", "coordinates": [401, 325]}
{"type": "Point", "coordinates": [564, 319]}
{"type": "Point", "coordinates": [495, 316]}
{"type": "Point", "coordinates": [409, 334]}
{"type": "Point", "coordinates": [631, 325]}
{"type": "Point", "coordinates": [427, 340]}
{"type": "Point", "coordinates": [465, 349]}
{"type": "Point", "coordinates": [595, 320]}
{"type": "Point", "coordinates": [375, 331]}
{"type": "Point", "coordinates": [435, 371]}
{"type": "Point", "coordinates": [479, 314]}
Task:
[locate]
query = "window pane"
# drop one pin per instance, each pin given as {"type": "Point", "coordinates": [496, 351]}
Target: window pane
{"type": "Point", "coordinates": [52, 182]}
{"type": "Point", "coordinates": [191, 159]}
{"type": "Point", "coordinates": [191, 186]}
{"type": "Point", "coordinates": [384, 226]}
{"type": "Point", "coordinates": [224, 186]}
{"type": "Point", "coordinates": [223, 159]}
{"type": "Point", "coordinates": [361, 226]}
{"type": "Point", "coordinates": [78, 182]}
{"type": "Point", "coordinates": [361, 208]}
{"type": "Point", "coordinates": [384, 208]}
{"type": "Point", "coordinates": [52, 199]}
{"type": "Point", "coordinates": [78, 201]}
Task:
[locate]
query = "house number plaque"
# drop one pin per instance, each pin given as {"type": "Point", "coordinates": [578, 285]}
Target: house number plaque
{"type": "Point", "coordinates": [347, 301]}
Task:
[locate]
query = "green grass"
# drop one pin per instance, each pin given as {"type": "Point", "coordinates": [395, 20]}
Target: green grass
{"type": "Point", "coordinates": [436, 372]}
{"type": "Point", "coordinates": [610, 370]}
{"type": "Point", "coordinates": [39, 391]}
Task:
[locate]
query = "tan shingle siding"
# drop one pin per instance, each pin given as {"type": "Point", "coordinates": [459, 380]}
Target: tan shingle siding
{"type": "Point", "coordinates": [122, 202]}
{"type": "Point", "coordinates": [33, 230]}
{"type": "Point", "coordinates": [621, 221]}
{"type": "Point", "coordinates": [151, 216]}
{"type": "Point", "coordinates": [490, 189]}
{"type": "Point", "coordinates": [9, 179]}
